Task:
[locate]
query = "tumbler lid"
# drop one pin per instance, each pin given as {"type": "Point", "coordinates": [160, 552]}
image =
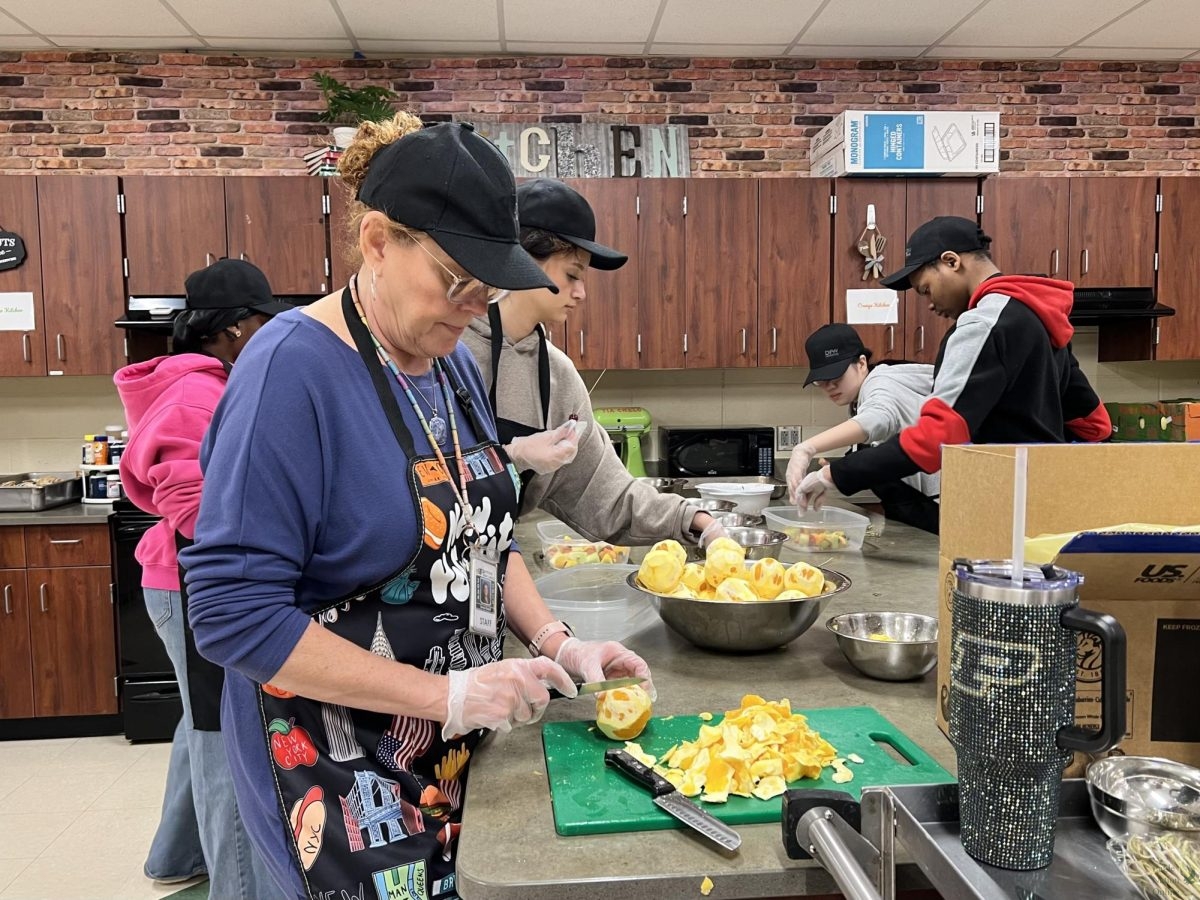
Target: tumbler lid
{"type": "Point", "coordinates": [991, 579]}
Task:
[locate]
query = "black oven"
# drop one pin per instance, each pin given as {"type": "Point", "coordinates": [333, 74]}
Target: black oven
{"type": "Point", "coordinates": [149, 691]}
{"type": "Point", "coordinates": [702, 452]}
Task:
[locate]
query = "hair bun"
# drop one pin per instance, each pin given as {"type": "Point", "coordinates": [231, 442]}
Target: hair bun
{"type": "Point", "coordinates": [370, 137]}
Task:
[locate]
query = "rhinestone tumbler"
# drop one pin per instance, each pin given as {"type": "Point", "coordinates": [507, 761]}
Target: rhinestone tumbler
{"type": "Point", "coordinates": [1012, 703]}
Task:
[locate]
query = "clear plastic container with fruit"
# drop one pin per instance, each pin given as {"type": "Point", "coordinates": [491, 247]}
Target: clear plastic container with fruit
{"type": "Point", "coordinates": [565, 549]}
{"type": "Point", "coordinates": [825, 530]}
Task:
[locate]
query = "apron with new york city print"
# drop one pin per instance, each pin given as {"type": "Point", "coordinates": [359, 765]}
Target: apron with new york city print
{"type": "Point", "coordinates": [373, 802]}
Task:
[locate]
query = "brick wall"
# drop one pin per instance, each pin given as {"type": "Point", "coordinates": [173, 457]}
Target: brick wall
{"type": "Point", "coordinates": [162, 113]}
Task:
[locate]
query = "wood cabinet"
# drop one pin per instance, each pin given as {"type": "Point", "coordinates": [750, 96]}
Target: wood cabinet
{"type": "Point", "coordinates": [173, 226]}
{"type": "Point", "coordinates": [662, 287]}
{"type": "Point", "coordinates": [57, 635]}
{"type": "Point", "coordinates": [924, 200]}
{"type": "Point", "coordinates": [1112, 231]}
{"type": "Point", "coordinates": [794, 231]}
{"type": "Point", "coordinates": [82, 283]}
{"type": "Point", "coordinates": [338, 205]}
{"type": "Point", "coordinates": [279, 225]}
{"type": "Point", "coordinates": [1179, 270]}
{"type": "Point", "coordinates": [602, 331]}
{"type": "Point", "coordinates": [23, 352]}
{"type": "Point", "coordinates": [1027, 218]}
{"type": "Point", "coordinates": [721, 271]}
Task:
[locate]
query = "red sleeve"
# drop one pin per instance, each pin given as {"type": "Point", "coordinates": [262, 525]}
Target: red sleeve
{"type": "Point", "coordinates": [1096, 426]}
{"type": "Point", "coordinates": [938, 425]}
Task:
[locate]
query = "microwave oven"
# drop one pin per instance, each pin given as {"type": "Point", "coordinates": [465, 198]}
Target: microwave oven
{"type": "Point", "coordinates": [705, 452]}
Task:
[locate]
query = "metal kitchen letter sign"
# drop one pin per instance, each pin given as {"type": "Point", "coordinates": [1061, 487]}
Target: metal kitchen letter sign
{"type": "Point", "coordinates": [592, 151]}
{"type": "Point", "coordinates": [12, 250]}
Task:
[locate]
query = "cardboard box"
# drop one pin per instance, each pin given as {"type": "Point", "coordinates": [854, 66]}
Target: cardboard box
{"type": "Point", "coordinates": [1161, 420]}
{"type": "Point", "coordinates": [1153, 589]}
{"type": "Point", "coordinates": [885, 142]}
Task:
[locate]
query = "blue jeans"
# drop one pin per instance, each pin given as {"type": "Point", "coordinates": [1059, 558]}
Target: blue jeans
{"type": "Point", "coordinates": [200, 829]}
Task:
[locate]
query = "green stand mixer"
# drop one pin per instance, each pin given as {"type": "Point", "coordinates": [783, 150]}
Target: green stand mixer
{"type": "Point", "coordinates": [625, 426]}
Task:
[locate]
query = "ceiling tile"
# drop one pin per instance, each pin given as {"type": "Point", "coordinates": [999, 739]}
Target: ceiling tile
{"type": "Point", "coordinates": [1035, 22]}
{"type": "Point", "coordinates": [869, 22]}
{"type": "Point", "coordinates": [843, 51]}
{"type": "Point", "coordinates": [449, 22]}
{"type": "Point", "coordinates": [339, 44]}
{"type": "Point", "coordinates": [124, 42]}
{"type": "Point", "coordinates": [718, 22]}
{"type": "Point", "coordinates": [613, 20]}
{"type": "Point", "coordinates": [1160, 23]}
{"type": "Point", "coordinates": [747, 50]}
{"type": "Point", "coordinates": [447, 48]}
{"type": "Point", "coordinates": [127, 17]}
{"type": "Point", "coordinates": [949, 51]}
{"type": "Point", "coordinates": [1125, 53]}
{"type": "Point", "coordinates": [22, 42]}
{"type": "Point", "coordinates": [261, 18]}
{"type": "Point", "coordinates": [581, 48]}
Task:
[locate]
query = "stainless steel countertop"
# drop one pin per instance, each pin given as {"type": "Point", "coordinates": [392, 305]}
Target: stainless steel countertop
{"type": "Point", "coordinates": [509, 849]}
{"type": "Point", "coordinates": [71, 514]}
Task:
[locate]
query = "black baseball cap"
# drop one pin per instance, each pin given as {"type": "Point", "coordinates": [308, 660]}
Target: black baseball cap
{"type": "Point", "coordinates": [455, 186]}
{"type": "Point", "coordinates": [831, 349]}
{"type": "Point", "coordinates": [933, 239]}
{"type": "Point", "coordinates": [555, 207]}
{"type": "Point", "coordinates": [232, 284]}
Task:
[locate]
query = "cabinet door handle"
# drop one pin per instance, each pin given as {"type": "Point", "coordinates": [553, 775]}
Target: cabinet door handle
{"type": "Point", "coordinates": [891, 338]}
{"type": "Point", "coordinates": [208, 259]}
{"type": "Point", "coordinates": [920, 338]}
{"type": "Point", "coordinates": [42, 597]}
{"type": "Point", "coordinates": [26, 348]}
{"type": "Point", "coordinates": [1054, 262]}
{"type": "Point", "coordinates": [1084, 257]}
{"type": "Point", "coordinates": [60, 346]}
{"type": "Point", "coordinates": [244, 257]}
{"type": "Point", "coordinates": [65, 541]}
{"type": "Point", "coordinates": [774, 340]}
{"type": "Point", "coordinates": [639, 344]}
{"type": "Point", "coordinates": [743, 342]}
{"type": "Point", "coordinates": [581, 343]}
{"type": "Point", "coordinates": [8, 599]}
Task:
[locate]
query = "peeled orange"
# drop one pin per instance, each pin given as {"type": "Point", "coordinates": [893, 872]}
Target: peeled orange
{"type": "Point", "coordinates": [622, 713]}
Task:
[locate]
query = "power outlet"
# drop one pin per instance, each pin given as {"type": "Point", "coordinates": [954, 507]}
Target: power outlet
{"type": "Point", "coordinates": [787, 437]}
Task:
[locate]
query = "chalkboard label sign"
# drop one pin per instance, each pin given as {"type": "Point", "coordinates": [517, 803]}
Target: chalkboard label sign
{"type": "Point", "coordinates": [12, 250]}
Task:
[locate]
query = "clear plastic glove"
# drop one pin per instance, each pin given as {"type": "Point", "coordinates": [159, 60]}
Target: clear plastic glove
{"type": "Point", "coordinates": [813, 488]}
{"type": "Point", "coordinates": [713, 530]}
{"type": "Point", "coordinates": [797, 469]}
{"type": "Point", "coordinates": [502, 694]}
{"type": "Point", "coordinates": [546, 451]}
{"type": "Point", "coordinates": [600, 660]}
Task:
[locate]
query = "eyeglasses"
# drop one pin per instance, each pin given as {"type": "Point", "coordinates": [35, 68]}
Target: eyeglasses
{"type": "Point", "coordinates": [465, 290]}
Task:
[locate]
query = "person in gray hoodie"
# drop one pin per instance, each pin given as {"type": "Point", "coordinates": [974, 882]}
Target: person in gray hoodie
{"type": "Point", "coordinates": [883, 400]}
{"type": "Point", "coordinates": [543, 411]}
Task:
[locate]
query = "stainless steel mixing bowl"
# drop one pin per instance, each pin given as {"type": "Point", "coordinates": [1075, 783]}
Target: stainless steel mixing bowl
{"type": "Point", "coordinates": [735, 627]}
{"type": "Point", "coordinates": [740, 520]}
{"type": "Point", "coordinates": [1144, 795]}
{"type": "Point", "coordinates": [890, 646]}
{"type": "Point", "coordinates": [712, 506]}
{"type": "Point", "coordinates": [666, 485]}
{"type": "Point", "coordinates": [759, 543]}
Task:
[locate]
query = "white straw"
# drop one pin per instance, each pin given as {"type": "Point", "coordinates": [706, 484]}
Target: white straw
{"type": "Point", "coordinates": [1018, 521]}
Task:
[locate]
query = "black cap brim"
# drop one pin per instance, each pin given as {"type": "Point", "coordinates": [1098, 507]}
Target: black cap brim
{"type": "Point", "coordinates": [831, 372]}
{"type": "Point", "coordinates": [499, 264]}
{"type": "Point", "coordinates": [271, 307]}
{"type": "Point", "coordinates": [898, 281]}
{"type": "Point", "coordinates": [604, 258]}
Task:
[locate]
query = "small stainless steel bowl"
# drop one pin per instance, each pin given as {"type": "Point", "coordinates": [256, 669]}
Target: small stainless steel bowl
{"type": "Point", "coordinates": [759, 543]}
{"type": "Point", "coordinates": [740, 520]}
{"type": "Point", "coordinates": [666, 485]}
{"type": "Point", "coordinates": [734, 627]}
{"type": "Point", "coordinates": [712, 506]}
{"type": "Point", "coordinates": [1144, 795]}
{"type": "Point", "coordinates": [890, 646]}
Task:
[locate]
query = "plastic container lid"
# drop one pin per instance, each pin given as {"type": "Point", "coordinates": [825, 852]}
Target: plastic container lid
{"type": "Point", "coordinates": [597, 602]}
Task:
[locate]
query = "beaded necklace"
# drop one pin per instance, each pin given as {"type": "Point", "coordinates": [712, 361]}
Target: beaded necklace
{"type": "Point", "coordinates": [386, 360]}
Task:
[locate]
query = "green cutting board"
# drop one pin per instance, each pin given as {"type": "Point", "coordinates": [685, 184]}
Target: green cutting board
{"type": "Point", "coordinates": [591, 798]}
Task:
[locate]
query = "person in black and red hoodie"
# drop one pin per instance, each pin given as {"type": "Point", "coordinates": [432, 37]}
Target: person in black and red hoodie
{"type": "Point", "coordinates": [1004, 374]}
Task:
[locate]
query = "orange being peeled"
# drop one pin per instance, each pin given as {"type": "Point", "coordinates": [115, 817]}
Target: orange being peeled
{"type": "Point", "coordinates": [622, 713]}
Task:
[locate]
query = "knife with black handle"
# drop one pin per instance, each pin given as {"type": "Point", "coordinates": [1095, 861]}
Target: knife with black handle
{"type": "Point", "coordinates": [666, 798]}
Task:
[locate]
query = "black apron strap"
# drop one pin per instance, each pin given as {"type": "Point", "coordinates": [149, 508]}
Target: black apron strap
{"type": "Point", "coordinates": [205, 679]}
{"type": "Point", "coordinates": [379, 374]}
{"type": "Point", "coordinates": [543, 364]}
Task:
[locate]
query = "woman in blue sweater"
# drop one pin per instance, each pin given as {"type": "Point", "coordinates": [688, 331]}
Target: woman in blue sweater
{"type": "Point", "coordinates": [354, 566]}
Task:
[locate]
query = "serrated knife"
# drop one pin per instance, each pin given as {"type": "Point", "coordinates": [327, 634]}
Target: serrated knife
{"type": "Point", "coordinates": [595, 687]}
{"type": "Point", "coordinates": [670, 801]}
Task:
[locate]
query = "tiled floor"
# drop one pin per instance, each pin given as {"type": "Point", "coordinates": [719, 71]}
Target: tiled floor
{"type": "Point", "coordinates": [77, 816]}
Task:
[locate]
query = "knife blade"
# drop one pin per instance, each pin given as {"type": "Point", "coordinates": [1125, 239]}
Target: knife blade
{"type": "Point", "coordinates": [596, 687]}
{"type": "Point", "coordinates": [666, 798]}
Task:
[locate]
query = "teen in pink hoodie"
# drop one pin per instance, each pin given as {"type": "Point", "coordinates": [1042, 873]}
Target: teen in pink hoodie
{"type": "Point", "coordinates": [169, 402]}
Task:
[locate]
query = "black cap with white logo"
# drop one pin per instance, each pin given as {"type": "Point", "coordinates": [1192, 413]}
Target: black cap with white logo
{"type": "Point", "coordinates": [831, 349]}
{"type": "Point", "coordinates": [933, 239]}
